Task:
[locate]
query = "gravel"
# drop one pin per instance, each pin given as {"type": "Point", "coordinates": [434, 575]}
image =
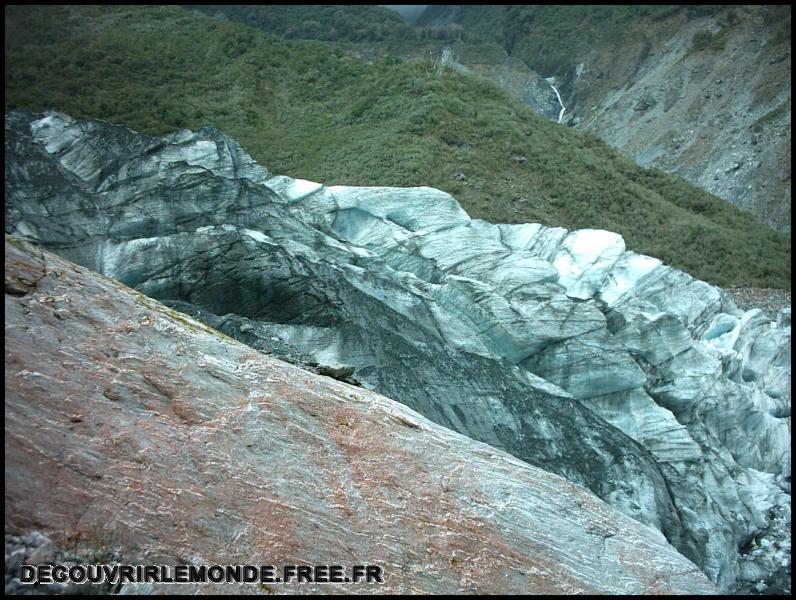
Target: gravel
{"type": "Point", "coordinates": [770, 301]}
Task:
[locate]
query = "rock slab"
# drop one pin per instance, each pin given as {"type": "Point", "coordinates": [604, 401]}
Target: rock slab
{"type": "Point", "coordinates": [134, 428]}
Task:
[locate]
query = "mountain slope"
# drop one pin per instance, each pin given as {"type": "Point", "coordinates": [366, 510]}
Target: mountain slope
{"type": "Point", "coordinates": [702, 91]}
{"type": "Point", "coordinates": [353, 23]}
{"type": "Point", "coordinates": [324, 116]}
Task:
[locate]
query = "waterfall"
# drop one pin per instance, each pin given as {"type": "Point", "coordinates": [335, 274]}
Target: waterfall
{"type": "Point", "coordinates": [550, 80]}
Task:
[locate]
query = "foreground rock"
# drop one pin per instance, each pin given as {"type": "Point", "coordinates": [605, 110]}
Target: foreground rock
{"type": "Point", "coordinates": [134, 429]}
{"type": "Point", "coordinates": [606, 367]}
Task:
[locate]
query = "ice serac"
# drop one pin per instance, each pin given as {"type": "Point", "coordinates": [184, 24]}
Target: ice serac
{"type": "Point", "coordinates": [133, 429]}
{"type": "Point", "coordinates": [562, 348]}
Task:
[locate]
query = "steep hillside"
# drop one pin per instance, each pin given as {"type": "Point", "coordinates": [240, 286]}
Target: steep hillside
{"type": "Point", "coordinates": [318, 114]}
{"type": "Point", "coordinates": [702, 91]}
{"type": "Point", "coordinates": [353, 23]}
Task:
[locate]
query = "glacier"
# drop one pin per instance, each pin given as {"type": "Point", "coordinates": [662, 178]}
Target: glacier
{"type": "Point", "coordinates": [562, 348]}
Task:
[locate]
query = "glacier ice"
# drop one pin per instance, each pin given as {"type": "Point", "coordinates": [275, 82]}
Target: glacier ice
{"type": "Point", "coordinates": [561, 347]}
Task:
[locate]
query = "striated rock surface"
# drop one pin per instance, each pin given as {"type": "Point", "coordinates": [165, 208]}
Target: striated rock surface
{"type": "Point", "coordinates": [563, 349]}
{"type": "Point", "coordinates": [135, 433]}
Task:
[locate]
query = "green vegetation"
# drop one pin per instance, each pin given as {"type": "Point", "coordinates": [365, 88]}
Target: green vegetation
{"type": "Point", "coordinates": [773, 115]}
{"type": "Point", "coordinates": [360, 30]}
{"type": "Point", "coordinates": [707, 40]}
{"type": "Point", "coordinates": [777, 18]}
{"type": "Point", "coordinates": [331, 23]}
{"type": "Point", "coordinates": [304, 110]}
{"type": "Point", "coordinates": [353, 23]}
{"type": "Point", "coordinates": [549, 36]}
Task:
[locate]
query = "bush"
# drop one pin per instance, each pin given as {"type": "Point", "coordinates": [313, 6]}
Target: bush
{"type": "Point", "coordinates": [705, 40]}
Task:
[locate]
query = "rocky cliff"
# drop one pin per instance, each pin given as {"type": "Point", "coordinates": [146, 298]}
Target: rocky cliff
{"type": "Point", "coordinates": [716, 112]}
{"type": "Point", "coordinates": [563, 349]}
